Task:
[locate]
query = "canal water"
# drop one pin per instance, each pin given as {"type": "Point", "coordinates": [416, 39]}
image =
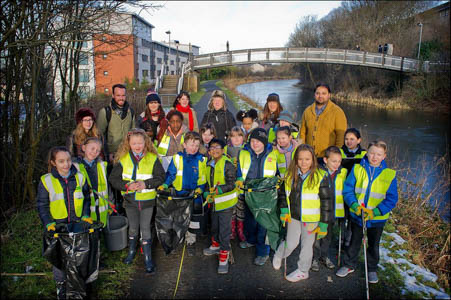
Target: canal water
{"type": "Point", "coordinates": [415, 137]}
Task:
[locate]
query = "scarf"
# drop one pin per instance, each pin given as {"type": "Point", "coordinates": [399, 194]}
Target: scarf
{"type": "Point", "coordinates": [121, 111]}
{"type": "Point", "coordinates": [190, 114]}
{"type": "Point", "coordinates": [288, 150]}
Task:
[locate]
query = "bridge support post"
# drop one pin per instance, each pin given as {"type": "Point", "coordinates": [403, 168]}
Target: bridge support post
{"type": "Point", "coordinates": [249, 55]}
{"type": "Point", "coordinates": [267, 54]}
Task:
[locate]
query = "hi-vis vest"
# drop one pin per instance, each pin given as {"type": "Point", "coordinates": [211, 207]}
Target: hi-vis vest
{"type": "Point", "coordinates": [282, 162]}
{"type": "Point", "coordinates": [378, 190]}
{"type": "Point", "coordinates": [143, 171]}
{"type": "Point", "coordinates": [269, 167]}
{"type": "Point", "coordinates": [178, 162]}
{"type": "Point", "coordinates": [310, 202]}
{"type": "Point", "coordinates": [225, 200]}
{"type": "Point", "coordinates": [339, 181]}
{"type": "Point", "coordinates": [360, 155]}
{"type": "Point", "coordinates": [102, 189]}
{"type": "Point", "coordinates": [272, 134]}
{"type": "Point", "coordinates": [58, 208]}
{"type": "Point", "coordinates": [163, 147]}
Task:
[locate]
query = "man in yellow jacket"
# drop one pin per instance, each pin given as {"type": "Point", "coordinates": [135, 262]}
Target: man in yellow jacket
{"type": "Point", "coordinates": [323, 123]}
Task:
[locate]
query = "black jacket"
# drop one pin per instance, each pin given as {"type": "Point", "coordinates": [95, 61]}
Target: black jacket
{"type": "Point", "coordinates": [117, 183]}
{"type": "Point", "coordinates": [325, 196]}
{"type": "Point", "coordinates": [43, 201]}
{"type": "Point", "coordinates": [223, 120]}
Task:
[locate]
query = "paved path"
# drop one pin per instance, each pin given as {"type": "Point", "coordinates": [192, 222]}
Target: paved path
{"type": "Point", "coordinates": [199, 278]}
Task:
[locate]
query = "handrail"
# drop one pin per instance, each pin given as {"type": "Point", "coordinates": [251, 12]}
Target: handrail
{"type": "Point", "coordinates": [180, 83]}
{"type": "Point", "coordinates": [159, 81]}
{"type": "Point", "coordinates": [313, 55]}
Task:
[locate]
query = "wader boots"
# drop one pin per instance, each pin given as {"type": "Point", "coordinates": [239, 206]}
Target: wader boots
{"type": "Point", "coordinates": [150, 267]}
{"type": "Point", "coordinates": [223, 267]}
{"type": "Point", "coordinates": [132, 241]}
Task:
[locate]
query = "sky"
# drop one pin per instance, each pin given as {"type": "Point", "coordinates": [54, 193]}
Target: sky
{"type": "Point", "coordinates": [245, 24]}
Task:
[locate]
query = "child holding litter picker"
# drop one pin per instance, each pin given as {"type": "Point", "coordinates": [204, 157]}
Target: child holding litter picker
{"type": "Point", "coordinates": [187, 172]}
{"type": "Point", "coordinates": [371, 190]}
{"type": "Point", "coordinates": [221, 177]}
{"type": "Point", "coordinates": [63, 197]}
{"type": "Point", "coordinates": [137, 173]}
{"type": "Point", "coordinates": [337, 177]}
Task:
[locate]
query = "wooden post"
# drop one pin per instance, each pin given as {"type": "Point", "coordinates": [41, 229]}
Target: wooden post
{"type": "Point", "coordinates": [267, 54]}
{"type": "Point", "coordinates": [249, 55]}
{"type": "Point", "coordinates": [346, 53]}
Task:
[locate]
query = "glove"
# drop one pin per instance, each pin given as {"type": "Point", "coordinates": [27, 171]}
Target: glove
{"type": "Point", "coordinates": [86, 219]}
{"type": "Point", "coordinates": [218, 191]}
{"type": "Point", "coordinates": [357, 208]}
{"type": "Point", "coordinates": [321, 230]}
{"type": "Point", "coordinates": [110, 211]}
{"type": "Point", "coordinates": [371, 213]}
{"type": "Point", "coordinates": [198, 191]}
{"type": "Point", "coordinates": [51, 226]}
{"type": "Point", "coordinates": [210, 198]}
{"type": "Point", "coordinates": [239, 183]}
{"type": "Point", "coordinates": [162, 187]}
{"type": "Point", "coordinates": [285, 215]}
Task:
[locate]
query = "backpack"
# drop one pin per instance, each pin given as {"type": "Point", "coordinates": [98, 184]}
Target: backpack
{"type": "Point", "coordinates": [108, 114]}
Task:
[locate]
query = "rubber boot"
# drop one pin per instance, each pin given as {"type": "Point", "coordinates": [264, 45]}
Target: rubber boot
{"type": "Point", "coordinates": [150, 267]}
{"type": "Point", "coordinates": [223, 267]}
{"type": "Point", "coordinates": [132, 242]}
{"type": "Point", "coordinates": [233, 234]}
{"type": "Point", "coordinates": [61, 290]}
{"type": "Point", "coordinates": [241, 235]}
{"type": "Point", "coordinates": [213, 249]}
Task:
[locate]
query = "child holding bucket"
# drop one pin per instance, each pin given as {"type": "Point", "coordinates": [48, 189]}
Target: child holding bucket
{"type": "Point", "coordinates": [137, 173]}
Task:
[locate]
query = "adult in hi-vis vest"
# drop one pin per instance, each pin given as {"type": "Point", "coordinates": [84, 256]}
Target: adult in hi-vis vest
{"type": "Point", "coordinates": [137, 173]}
{"type": "Point", "coordinates": [63, 197]}
{"type": "Point", "coordinates": [370, 189]}
{"type": "Point", "coordinates": [258, 159]}
{"type": "Point", "coordinates": [308, 209]}
{"type": "Point", "coordinates": [221, 177]}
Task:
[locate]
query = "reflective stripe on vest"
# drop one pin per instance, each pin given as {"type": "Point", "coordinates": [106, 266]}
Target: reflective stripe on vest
{"type": "Point", "coordinates": [269, 167]}
{"type": "Point", "coordinates": [272, 135]}
{"type": "Point", "coordinates": [178, 163]}
{"type": "Point", "coordinates": [378, 190]}
{"type": "Point", "coordinates": [360, 155]}
{"type": "Point", "coordinates": [339, 183]}
{"type": "Point", "coordinates": [102, 189]}
{"type": "Point", "coordinates": [163, 147]}
{"type": "Point", "coordinates": [309, 197]}
{"type": "Point", "coordinates": [227, 199]}
{"type": "Point", "coordinates": [58, 208]}
{"type": "Point", "coordinates": [143, 172]}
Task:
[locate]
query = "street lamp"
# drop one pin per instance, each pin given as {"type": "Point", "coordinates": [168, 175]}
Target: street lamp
{"type": "Point", "coordinates": [177, 57]}
{"type": "Point", "coordinates": [169, 45]}
{"type": "Point", "coordinates": [419, 44]}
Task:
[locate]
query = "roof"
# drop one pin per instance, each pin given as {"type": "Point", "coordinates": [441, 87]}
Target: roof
{"type": "Point", "coordinates": [137, 17]}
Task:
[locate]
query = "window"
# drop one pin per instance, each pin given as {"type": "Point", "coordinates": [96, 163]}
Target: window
{"type": "Point", "coordinates": [145, 57]}
{"type": "Point", "coordinates": [83, 92]}
{"type": "Point", "coordinates": [83, 75]}
{"type": "Point", "coordinates": [172, 72]}
{"type": "Point", "coordinates": [105, 56]}
{"type": "Point", "coordinates": [172, 62]}
{"type": "Point", "coordinates": [83, 60]}
{"type": "Point", "coordinates": [105, 73]}
{"type": "Point", "coordinates": [159, 60]}
{"type": "Point", "coordinates": [84, 44]}
{"type": "Point", "coordinates": [145, 73]}
{"type": "Point", "coordinates": [159, 72]}
{"type": "Point", "coordinates": [103, 38]}
{"type": "Point", "coordinates": [105, 90]}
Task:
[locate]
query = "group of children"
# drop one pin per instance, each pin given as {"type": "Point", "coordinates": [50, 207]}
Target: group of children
{"type": "Point", "coordinates": [346, 183]}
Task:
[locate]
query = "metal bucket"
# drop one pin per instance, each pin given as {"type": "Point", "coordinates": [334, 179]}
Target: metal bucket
{"type": "Point", "coordinates": [116, 233]}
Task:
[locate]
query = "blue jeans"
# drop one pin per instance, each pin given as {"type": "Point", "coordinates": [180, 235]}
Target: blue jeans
{"type": "Point", "coordinates": [255, 233]}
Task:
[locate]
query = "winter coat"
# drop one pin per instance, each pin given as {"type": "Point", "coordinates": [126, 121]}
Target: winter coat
{"type": "Point", "coordinates": [186, 120]}
{"type": "Point", "coordinates": [349, 161]}
{"type": "Point", "coordinates": [69, 184]}
{"type": "Point", "coordinates": [155, 128]}
{"type": "Point", "coordinates": [222, 119]}
{"type": "Point", "coordinates": [327, 129]}
{"type": "Point", "coordinates": [190, 171]}
{"type": "Point", "coordinates": [118, 183]}
{"type": "Point", "coordinates": [386, 206]}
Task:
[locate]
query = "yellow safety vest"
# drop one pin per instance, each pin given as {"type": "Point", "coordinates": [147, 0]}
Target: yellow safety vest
{"type": "Point", "coordinates": [378, 190]}
{"type": "Point", "coordinates": [144, 171]}
{"type": "Point", "coordinates": [225, 200]}
{"type": "Point", "coordinates": [163, 147]}
{"type": "Point", "coordinates": [102, 189]}
{"type": "Point", "coordinates": [339, 181]}
{"type": "Point", "coordinates": [310, 202]}
{"type": "Point", "coordinates": [282, 162]}
{"type": "Point", "coordinates": [360, 155]}
{"type": "Point", "coordinates": [58, 208]}
{"type": "Point", "coordinates": [269, 167]}
{"type": "Point", "coordinates": [272, 135]}
{"type": "Point", "coordinates": [178, 162]}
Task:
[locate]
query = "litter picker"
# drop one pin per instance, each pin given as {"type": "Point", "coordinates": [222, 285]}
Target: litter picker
{"type": "Point", "coordinates": [340, 224]}
{"type": "Point", "coordinates": [364, 252]}
{"type": "Point", "coordinates": [113, 207]}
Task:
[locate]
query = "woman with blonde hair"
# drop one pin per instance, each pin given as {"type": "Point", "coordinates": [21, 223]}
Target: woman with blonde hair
{"type": "Point", "coordinates": [86, 128]}
{"type": "Point", "coordinates": [218, 114]}
{"type": "Point", "coordinates": [137, 173]}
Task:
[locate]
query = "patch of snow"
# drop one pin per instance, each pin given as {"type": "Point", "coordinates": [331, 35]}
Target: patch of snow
{"type": "Point", "coordinates": [401, 252]}
{"type": "Point", "coordinates": [398, 240]}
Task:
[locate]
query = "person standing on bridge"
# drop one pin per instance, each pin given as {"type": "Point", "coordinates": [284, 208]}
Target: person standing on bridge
{"type": "Point", "coordinates": [219, 115]}
{"type": "Point", "coordinates": [323, 122]}
{"type": "Point", "coordinates": [271, 112]}
{"type": "Point", "coordinates": [182, 103]}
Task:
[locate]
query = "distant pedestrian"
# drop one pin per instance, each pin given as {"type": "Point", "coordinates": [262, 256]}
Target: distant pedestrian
{"type": "Point", "coordinates": [153, 119]}
{"type": "Point", "coordinates": [323, 123]}
{"type": "Point", "coordinates": [227, 45]}
{"type": "Point", "coordinates": [219, 115]}
{"type": "Point", "coordinates": [182, 103]}
{"type": "Point", "coordinates": [86, 128]}
{"type": "Point", "coordinates": [271, 112]}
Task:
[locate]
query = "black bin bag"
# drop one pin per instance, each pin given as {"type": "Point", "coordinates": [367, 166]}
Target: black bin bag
{"type": "Point", "coordinates": [172, 218]}
{"type": "Point", "coordinates": [75, 249]}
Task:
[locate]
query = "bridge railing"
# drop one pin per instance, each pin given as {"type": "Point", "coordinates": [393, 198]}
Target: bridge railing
{"type": "Point", "coordinates": [314, 55]}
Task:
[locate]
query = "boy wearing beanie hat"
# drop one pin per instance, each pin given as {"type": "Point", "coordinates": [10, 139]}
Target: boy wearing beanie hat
{"type": "Point", "coordinates": [258, 159]}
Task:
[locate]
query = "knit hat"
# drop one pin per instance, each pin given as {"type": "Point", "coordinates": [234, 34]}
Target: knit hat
{"type": "Point", "coordinates": [217, 141]}
{"type": "Point", "coordinates": [273, 97]}
{"type": "Point", "coordinates": [84, 112]}
{"type": "Point", "coordinates": [153, 97]}
{"type": "Point", "coordinates": [259, 134]}
{"type": "Point", "coordinates": [286, 116]}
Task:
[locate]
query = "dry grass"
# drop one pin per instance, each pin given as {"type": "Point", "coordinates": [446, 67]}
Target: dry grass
{"type": "Point", "coordinates": [357, 98]}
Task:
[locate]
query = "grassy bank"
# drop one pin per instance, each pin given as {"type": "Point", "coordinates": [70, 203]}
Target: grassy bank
{"type": "Point", "coordinates": [356, 98]}
{"type": "Point", "coordinates": [21, 252]}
